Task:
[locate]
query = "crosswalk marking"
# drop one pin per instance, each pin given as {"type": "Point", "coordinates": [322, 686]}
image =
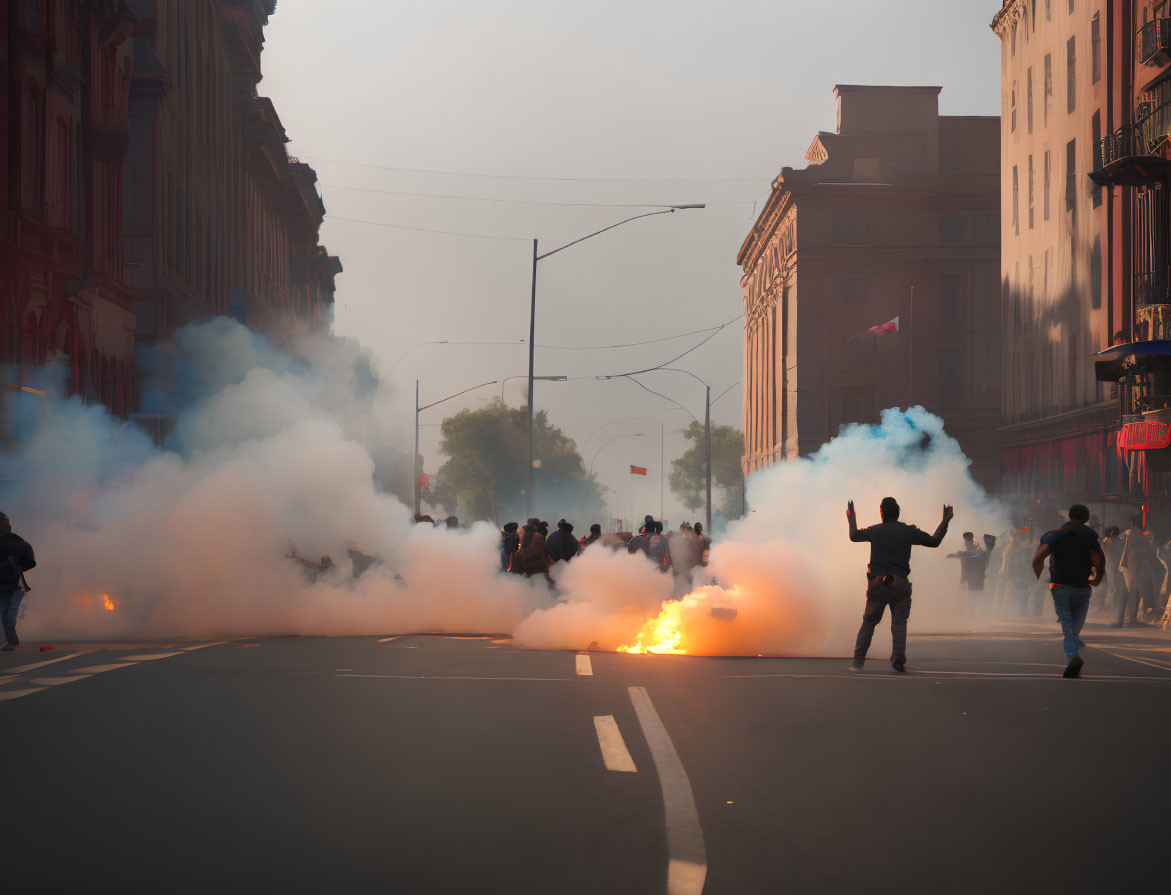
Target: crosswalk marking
{"type": "Point", "coordinates": [583, 664]}
{"type": "Point", "coordinates": [615, 755]}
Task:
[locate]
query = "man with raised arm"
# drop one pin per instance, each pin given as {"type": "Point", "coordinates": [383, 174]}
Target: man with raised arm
{"type": "Point", "coordinates": [886, 576]}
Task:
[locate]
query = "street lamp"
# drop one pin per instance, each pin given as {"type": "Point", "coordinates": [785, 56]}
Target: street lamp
{"type": "Point", "coordinates": [533, 317]}
{"type": "Point", "coordinates": [522, 376]}
{"type": "Point", "coordinates": [415, 460]}
{"type": "Point", "coordinates": [611, 441]}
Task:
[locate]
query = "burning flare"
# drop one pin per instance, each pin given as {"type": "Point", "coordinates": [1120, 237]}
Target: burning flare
{"type": "Point", "coordinates": [661, 634]}
{"type": "Point", "coordinates": [107, 603]}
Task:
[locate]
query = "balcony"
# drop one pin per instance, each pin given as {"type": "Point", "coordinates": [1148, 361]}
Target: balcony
{"type": "Point", "coordinates": [1154, 42]}
{"type": "Point", "coordinates": [1125, 159]}
{"type": "Point", "coordinates": [1152, 305]}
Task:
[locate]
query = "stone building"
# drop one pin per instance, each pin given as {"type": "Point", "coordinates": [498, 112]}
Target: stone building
{"type": "Point", "coordinates": [895, 215]}
{"type": "Point", "coordinates": [148, 186]}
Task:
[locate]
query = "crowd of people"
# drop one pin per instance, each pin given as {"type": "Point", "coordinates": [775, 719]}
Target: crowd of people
{"type": "Point", "coordinates": [1135, 590]}
{"type": "Point", "coordinates": [532, 549]}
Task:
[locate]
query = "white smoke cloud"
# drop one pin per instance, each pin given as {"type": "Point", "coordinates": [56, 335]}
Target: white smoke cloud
{"type": "Point", "coordinates": [270, 450]}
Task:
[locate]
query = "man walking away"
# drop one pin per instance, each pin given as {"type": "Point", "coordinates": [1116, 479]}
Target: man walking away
{"type": "Point", "coordinates": [593, 537]}
{"type": "Point", "coordinates": [974, 569]}
{"type": "Point", "coordinates": [16, 558]}
{"type": "Point", "coordinates": [1076, 565]}
{"type": "Point", "coordinates": [886, 576]}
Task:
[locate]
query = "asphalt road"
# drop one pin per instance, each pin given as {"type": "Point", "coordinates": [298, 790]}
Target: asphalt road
{"type": "Point", "coordinates": [440, 765]}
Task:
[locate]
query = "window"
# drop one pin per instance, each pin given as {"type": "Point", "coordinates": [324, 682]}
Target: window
{"type": "Point", "coordinates": [1029, 99]}
{"type": "Point", "coordinates": [1030, 192]}
{"type": "Point", "coordinates": [1071, 5]}
{"type": "Point", "coordinates": [1096, 274]}
{"type": "Point", "coordinates": [1045, 198]}
{"type": "Point", "coordinates": [1048, 89]}
{"type": "Point", "coordinates": [1096, 127]}
{"type": "Point", "coordinates": [1071, 175]}
{"type": "Point", "coordinates": [951, 301]}
{"type": "Point", "coordinates": [1012, 43]}
{"type": "Point", "coordinates": [1016, 220]}
{"type": "Point", "coordinates": [952, 229]}
{"type": "Point", "coordinates": [950, 388]}
{"type": "Point", "coordinates": [1045, 277]}
{"type": "Point", "coordinates": [1013, 101]}
{"type": "Point", "coordinates": [1096, 48]}
{"type": "Point", "coordinates": [1033, 16]}
{"type": "Point", "coordinates": [1071, 75]}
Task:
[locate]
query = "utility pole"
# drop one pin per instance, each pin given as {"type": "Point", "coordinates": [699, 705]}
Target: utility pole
{"type": "Point", "coordinates": [416, 471]}
{"type": "Point", "coordinates": [662, 472]}
{"type": "Point", "coordinates": [532, 348]}
{"type": "Point", "coordinates": [707, 432]}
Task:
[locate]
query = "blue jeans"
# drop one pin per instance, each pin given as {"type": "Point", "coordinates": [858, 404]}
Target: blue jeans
{"type": "Point", "coordinates": [1072, 604]}
{"type": "Point", "coordinates": [9, 605]}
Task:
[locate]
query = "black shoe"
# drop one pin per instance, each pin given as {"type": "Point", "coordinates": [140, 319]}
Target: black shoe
{"type": "Point", "coordinates": [899, 665]}
{"type": "Point", "coordinates": [1074, 668]}
{"type": "Point", "coordinates": [8, 647]}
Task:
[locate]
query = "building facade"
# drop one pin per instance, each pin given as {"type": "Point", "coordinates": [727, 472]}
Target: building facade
{"type": "Point", "coordinates": [149, 186]}
{"type": "Point", "coordinates": [1065, 286]}
{"type": "Point", "coordinates": [63, 297]}
{"type": "Point", "coordinates": [895, 216]}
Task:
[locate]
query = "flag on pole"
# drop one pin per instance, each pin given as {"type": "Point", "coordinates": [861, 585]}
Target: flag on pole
{"type": "Point", "coordinates": [891, 326]}
{"type": "Point", "coordinates": [638, 470]}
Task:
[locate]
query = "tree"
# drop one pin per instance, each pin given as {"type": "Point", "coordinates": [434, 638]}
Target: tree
{"type": "Point", "coordinates": [486, 474]}
{"type": "Point", "coordinates": [689, 472]}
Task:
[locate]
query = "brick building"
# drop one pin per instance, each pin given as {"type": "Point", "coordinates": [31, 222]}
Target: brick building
{"type": "Point", "coordinates": [898, 201]}
{"type": "Point", "coordinates": [149, 186]}
{"type": "Point", "coordinates": [65, 68]}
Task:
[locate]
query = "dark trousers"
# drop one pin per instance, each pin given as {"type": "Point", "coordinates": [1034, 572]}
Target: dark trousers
{"type": "Point", "coordinates": [9, 607]}
{"type": "Point", "coordinates": [878, 595]}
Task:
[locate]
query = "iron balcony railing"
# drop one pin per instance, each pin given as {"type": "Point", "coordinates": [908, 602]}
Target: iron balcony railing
{"type": "Point", "coordinates": [1154, 41]}
{"type": "Point", "coordinates": [1127, 142]}
{"type": "Point", "coordinates": [1153, 288]}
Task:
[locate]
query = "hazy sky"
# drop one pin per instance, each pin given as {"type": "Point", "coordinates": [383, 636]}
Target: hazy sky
{"type": "Point", "coordinates": [613, 98]}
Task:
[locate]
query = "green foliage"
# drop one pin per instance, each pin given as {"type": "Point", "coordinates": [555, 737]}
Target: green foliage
{"type": "Point", "coordinates": [689, 472]}
{"type": "Point", "coordinates": [486, 475]}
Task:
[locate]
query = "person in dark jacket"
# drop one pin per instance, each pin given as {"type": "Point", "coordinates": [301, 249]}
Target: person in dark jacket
{"type": "Point", "coordinates": [561, 545]}
{"type": "Point", "coordinates": [593, 537]}
{"type": "Point", "coordinates": [16, 558]}
{"type": "Point", "coordinates": [533, 560]}
{"type": "Point", "coordinates": [509, 544]}
{"type": "Point", "coordinates": [648, 526]}
{"type": "Point", "coordinates": [1076, 565]}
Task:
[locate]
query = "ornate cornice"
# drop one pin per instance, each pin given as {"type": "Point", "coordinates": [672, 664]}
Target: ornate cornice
{"type": "Point", "coordinates": [1011, 13]}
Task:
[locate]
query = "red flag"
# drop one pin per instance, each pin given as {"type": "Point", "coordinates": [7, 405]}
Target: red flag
{"type": "Point", "coordinates": [638, 470]}
{"type": "Point", "coordinates": [891, 326]}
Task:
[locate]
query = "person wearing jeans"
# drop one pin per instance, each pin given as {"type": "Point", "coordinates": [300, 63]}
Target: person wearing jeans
{"type": "Point", "coordinates": [9, 607]}
{"type": "Point", "coordinates": [879, 595]}
{"type": "Point", "coordinates": [1076, 565]}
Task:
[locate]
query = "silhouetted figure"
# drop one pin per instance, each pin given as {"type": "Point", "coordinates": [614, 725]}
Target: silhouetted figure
{"type": "Point", "coordinates": [509, 544]}
{"type": "Point", "coordinates": [593, 537]}
{"type": "Point", "coordinates": [561, 546]}
{"type": "Point", "coordinates": [16, 558]}
{"type": "Point", "coordinates": [1140, 567]}
{"type": "Point", "coordinates": [887, 576]}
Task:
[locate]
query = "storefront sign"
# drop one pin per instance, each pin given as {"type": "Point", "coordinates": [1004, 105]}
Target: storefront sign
{"type": "Point", "coordinates": [1145, 436]}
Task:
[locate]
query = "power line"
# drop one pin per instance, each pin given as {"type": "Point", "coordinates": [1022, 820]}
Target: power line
{"type": "Point", "coordinates": [334, 217]}
{"type": "Point", "coordinates": [363, 189]}
{"type": "Point", "coordinates": [318, 158]}
{"type": "Point", "coordinates": [708, 329]}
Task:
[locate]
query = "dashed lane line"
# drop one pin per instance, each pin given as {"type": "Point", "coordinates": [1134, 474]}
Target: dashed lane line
{"type": "Point", "coordinates": [148, 657]}
{"type": "Point", "coordinates": [98, 669]}
{"type": "Point", "coordinates": [16, 694]}
{"type": "Point", "coordinates": [56, 681]}
{"type": "Point", "coordinates": [686, 855]}
{"type": "Point", "coordinates": [615, 755]}
{"type": "Point", "coordinates": [457, 677]}
{"type": "Point", "coordinates": [188, 649]}
{"type": "Point", "coordinates": [584, 667]}
{"type": "Point", "coordinates": [32, 666]}
{"type": "Point", "coordinates": [388, 639]}
{"type": "Point", "coordinates": [1146, 662]}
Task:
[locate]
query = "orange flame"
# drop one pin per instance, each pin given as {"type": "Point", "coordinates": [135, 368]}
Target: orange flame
{"type": "Point", "coordinates": [107, 603]}
{"type": "Point", "coordinates": [661, 634]}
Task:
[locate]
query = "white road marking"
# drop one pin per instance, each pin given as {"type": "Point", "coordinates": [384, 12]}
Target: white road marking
{"type": "Point", "coordinates": [456, 677]}
{"type": "Point", "coordinates": [7, 679]}
{"type": "Point", "coordinates": [583, 665]}
{"type": "Point", "coordinates": [16, 694]}
{"type": "Point", "coordinates": [687, 858]}
{"type": "Point", "coordinates": [98, 669]}
{"type": "Point", "coordinates": [188, 649]}
{"type": "Point", "coordinates": [146, 657]}
{"type": "Point", "coordinates": [1158, 665]}
{"type": "Point", "coordinates": [54, 681]}
{"type": "Point", "coordinates": [388, 639]}
{"type": "Point", "coordinates": [932, 675]}
{"type": "Point", "coordinates": [615, 755]}
{"type": "Point", "coordinates": [24, 669]}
